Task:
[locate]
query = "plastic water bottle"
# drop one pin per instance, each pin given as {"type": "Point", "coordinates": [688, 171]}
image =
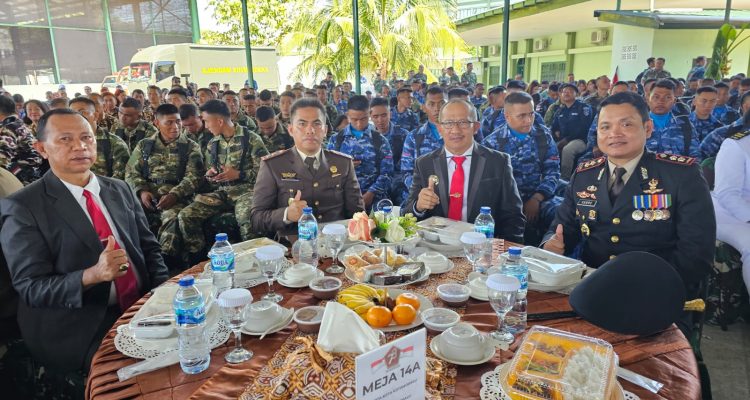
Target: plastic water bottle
{"type": "Point", "coordinates": [222, 264]}
{"type": "Point", "coordinates": [485, 224]}
{"type": "Point", "coordinates": [307, 231]}
{"type": "Point", "coordinates": [515, 266]}
{"type": "Point", "coordinates": [190, 314]}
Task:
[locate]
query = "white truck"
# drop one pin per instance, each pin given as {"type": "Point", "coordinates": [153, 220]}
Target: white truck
{"type": "Point", "coordinates": [202, 64]}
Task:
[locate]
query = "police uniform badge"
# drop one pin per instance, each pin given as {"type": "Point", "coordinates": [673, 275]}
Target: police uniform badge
{"type": "Point", "coordinates": [334, 171]}
{"type": "Point", "coordinates": [585, 230]}
{"type": "Point", "coordinates": [289, 176]}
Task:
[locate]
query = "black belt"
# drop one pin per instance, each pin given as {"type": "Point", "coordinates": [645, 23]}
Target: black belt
{"type": "Point", "coordinates": [164, 181]}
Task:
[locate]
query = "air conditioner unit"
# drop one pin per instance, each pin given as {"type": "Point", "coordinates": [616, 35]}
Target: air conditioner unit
{"type": "Point", "coordinates": [598, 37]}
{"type": "Point", "coordinates": [494, 50]}
{"type": "Point", "coordinates": [540, 44]}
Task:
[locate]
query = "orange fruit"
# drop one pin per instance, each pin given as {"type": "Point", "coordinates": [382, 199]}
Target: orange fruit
{"type": "Point", "coordinates": [378, 317]}
{"type": "Point", "coordinates": [408, 298]}
{"type": "Point", "coordinates": [404, 314]}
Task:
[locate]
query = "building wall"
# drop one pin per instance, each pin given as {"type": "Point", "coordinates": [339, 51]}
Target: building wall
{"type": "Point", "coordinates": [631, 47]}
{"type": "Point", "coordinates": [679, 47]}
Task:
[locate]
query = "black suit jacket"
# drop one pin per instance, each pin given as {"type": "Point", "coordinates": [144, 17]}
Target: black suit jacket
{"type": "Point", "coordinates": [48, 241]}
{"type": "Point", "coordinates": [491, 184]}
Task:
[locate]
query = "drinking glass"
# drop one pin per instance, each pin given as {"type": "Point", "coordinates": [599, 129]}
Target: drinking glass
{"type": "Point", "coordinates": [269, 259]}
{"type": "Point", "coordinates": [502, 291]}
{"type": "Point", "coordinates": [334, 236]}
{"type": "Point", "coordinates": [234, 305]}
{"type": "Point", "coordinates": [474, 247]}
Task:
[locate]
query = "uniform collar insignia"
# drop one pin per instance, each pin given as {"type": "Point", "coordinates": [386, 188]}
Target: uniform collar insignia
{"type": "Point", "coordinates": [644, 173]}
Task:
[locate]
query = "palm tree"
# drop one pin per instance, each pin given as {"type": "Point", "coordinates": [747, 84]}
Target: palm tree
{"type": "Point", "coordinates": [395, 35]}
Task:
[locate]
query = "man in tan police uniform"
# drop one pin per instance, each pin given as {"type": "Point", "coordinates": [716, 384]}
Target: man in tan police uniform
{"type": "Point", "coordinates": [305, 176]}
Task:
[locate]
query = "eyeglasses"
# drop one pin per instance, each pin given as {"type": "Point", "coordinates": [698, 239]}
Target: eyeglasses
{"type": "Point", "coordinates": [463, 124]}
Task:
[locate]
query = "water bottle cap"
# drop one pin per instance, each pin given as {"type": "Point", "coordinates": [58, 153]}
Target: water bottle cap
{"type": "Point", "coordinates": [334, 229]}
{"type": "Point", "coordinates": [514, 251]}
{"type": "Point", "coordinates": [387, 209]}
{"type": "Point", "coordinates": [187, 280]}
{"type": "Point", "coordinates": [307, 210]}
{"type": "Point", "coordinates": [473, 238]}
{"type": "Point", "coordinates": [269, 253]}
{"type": "Point", "coordinates": [503, 283]}
{"type": "Point", "coordinates": [485, 210]}
{"type": "Point", "coordinates": [221, 237]}
{"type": "Point", "coordinates": [235, 298]}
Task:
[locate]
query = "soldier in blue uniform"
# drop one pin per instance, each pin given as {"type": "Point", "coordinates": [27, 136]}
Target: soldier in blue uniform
{"type": "Point", "coordinates": [401, 114]}
{"type": "Point", "coordinates": [535, 161]}
{"type": "Point", "coordinates": [672, 134]}
{"type": "Point", "coordinates": [373, 158]}
{"type": "Point", "coordinates": [478, 98]}
{"type": "Point", "coordinates": [570, 126]}
{"type": "Point", "coordinates": [636, 200]}
{"type": "Point", "coordinates": [712, 143]}
{"type": "Point", "coordinates": [702, 117]}
{"type": "Point", "coordinates": [553, 95]}
{"type": "Point", "coordinates": [380, 115]}
{"type": "Point", "coordinates": [416, 91]}
{"type": "Point", "coordinates": [723, 112]}
{"type": "Point", "coordinates": [425, 138]}
{"type": "Point", "coordinates": [493, 114]}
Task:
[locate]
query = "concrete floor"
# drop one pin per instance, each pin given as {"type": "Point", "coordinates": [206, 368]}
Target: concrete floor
{"type": "Point", "coordinates": [727, 355]}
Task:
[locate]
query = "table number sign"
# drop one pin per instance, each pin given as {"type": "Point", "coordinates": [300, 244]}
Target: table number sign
{"type": "Point", "coordinates": [393, 371]}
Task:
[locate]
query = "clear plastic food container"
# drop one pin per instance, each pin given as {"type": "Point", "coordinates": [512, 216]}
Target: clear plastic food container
{"type": "Point", "coordinates": [554, 364]}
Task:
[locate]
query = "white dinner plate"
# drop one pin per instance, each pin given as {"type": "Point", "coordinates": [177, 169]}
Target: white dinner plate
{"type": "Point", "coordinates": [299, 284]}
{"type": "Point", "coordinates": [282, 324]}
{"type": "Point", "coordinates": [349, 273]}
{"type": "Point", "coordinates": [424, 304]}
{"type": "Point", "coordinates": [437, 342]}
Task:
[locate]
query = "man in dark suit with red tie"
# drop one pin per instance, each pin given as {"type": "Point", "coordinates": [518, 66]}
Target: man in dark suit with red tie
{"type": "Point", "coordinates": [78, 248]}
{"type": "Point", "coordinates": [469, 176]}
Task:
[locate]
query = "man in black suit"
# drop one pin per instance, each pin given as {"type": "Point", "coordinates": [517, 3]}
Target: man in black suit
{"type": "Point", "coordinates": [469, 176]}
{"type": "Point", "coordinates": [78, 248]}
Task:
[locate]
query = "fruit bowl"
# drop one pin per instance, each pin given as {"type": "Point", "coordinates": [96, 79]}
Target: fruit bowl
{"type": "Point", "coordinates": [361, 298]}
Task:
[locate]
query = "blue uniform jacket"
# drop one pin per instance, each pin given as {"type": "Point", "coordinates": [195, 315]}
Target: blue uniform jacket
{"type": "Point", "coordinates": [373, 175]}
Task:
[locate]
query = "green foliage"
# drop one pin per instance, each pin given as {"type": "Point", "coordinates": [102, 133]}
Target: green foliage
{"type": "Point", "coordinates": [728, 38]}
{"type": "Point", "coordinates": [394, 35]}
{"type": "Point", "coordinates": [268, 21]}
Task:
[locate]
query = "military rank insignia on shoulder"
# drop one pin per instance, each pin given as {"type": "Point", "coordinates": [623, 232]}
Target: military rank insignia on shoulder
{"type": "Point", "coordinates": [587, 165]}
{"type": "Point", "coordinates": [675, 159]}
{"type": "Point", "coordinates": [339, 153]}
{"type": "Point", "coordinates": [740, 135]}
{"type": "Point", "coordinates": [274, 154]}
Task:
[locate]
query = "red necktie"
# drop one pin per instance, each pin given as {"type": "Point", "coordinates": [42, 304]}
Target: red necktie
{"type": "Point", "coordinates": [126, 285]}
{"type": "Point", "coordinates": [456, 194]}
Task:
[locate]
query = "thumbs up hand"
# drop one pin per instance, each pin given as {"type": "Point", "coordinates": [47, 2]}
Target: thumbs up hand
{"type": "Point", "coordinates": [556, 243]}
{"type": "Point", "coordinates": [427, 199]}
{"type": "Point", "coordinates": [296, 204]}
{"type": "Point", "coordinates": [107, 268]}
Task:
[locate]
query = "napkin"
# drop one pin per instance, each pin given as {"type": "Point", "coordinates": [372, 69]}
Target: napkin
{"type": "Point", "coordinates": [343, 331]}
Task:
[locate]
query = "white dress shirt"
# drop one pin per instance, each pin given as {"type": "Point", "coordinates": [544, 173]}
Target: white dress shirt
{"type": "Point", "coordinates": [93, 187]}
{"type": "Point", "coordinates": [629, 169]}
{"type": "Point", "coordinates": [467, 168]}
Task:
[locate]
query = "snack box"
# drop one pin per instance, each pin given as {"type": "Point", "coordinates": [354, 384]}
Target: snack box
{"type": "Point", "coordinates": [554, 364]}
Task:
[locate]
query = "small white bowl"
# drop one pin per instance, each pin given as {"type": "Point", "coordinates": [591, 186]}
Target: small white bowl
{"type": "Point", "coordinates": [463, 343]}
{"type": "Point", "coordinates": [309, 318]}
{"type": "Point", "coordinates": [454, 294]}
{"type": "Point", "coordinates": [439, 319]}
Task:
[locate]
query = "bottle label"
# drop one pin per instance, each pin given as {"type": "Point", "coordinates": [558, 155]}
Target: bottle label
{"type": "Point", "coordinates": [222, 262]}
{"type": "Point", "coordinates": [196, 315]}
{"type": "Point", "coordinates": [307, 231]}
{"type": "Point", "coordinates": [488, 230]}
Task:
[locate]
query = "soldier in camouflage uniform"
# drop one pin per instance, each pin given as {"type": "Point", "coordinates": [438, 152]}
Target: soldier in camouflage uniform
{"type": "Point", "coordinates": [238, 116]}
{"type": "Point", "coordinates": [372, 154]}
{"type": "Point", "coordinates": [702, 118]}
{"type": "Point", "coordinates": [131, 127]}
{"type": "Point", "coordinates": [164, 171]}
{"type": "Point", "coordinates": [285, 106]}
{"type": "Point", "coordinates": [17, 153]}
{"type": "Point", "coordinates": [402, 115]}
{"type": "Point", "coordinates": [673, 134]}
{"type": "Point", "coordinates": [423, 139]}
{"type": "Point", "coordinates": [232, 158]}
{"type": "Point", "coordinates": [104, 119]}
{"type": "Point", "coordinates": [274, 135]}
{"type": "Point", "coordinates": [265, 98]}
{"type": "Point", "coordinates": [331, 112]}
{"type": "Point", "coordinates": [535, 161]}
{"type": "Point", "coordinates": [712, 143]}
{"type": "Point", "coordinates": [723, 112]}
{"type": "Point", "coordinates": [380, 115]}
{"type": "Point", "coordinates": [112, 153]}
{"type": "Point", "coordinates": [147, 112]}
{"type": "Point", "coordinates": [194, 127]}
{"type": "Point", "coordinates": [469, 76]}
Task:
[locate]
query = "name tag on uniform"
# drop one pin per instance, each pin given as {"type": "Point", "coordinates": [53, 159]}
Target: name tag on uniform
{"type": "Point", "coordinates": [289, 177]}
{"type": "Point", "coordinates": [586, 203]}
{"type": "Point", "coordinates": [290, 180]}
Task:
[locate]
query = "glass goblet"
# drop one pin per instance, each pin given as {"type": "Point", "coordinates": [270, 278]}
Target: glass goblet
{"type": "Point", "coordinates": [474, 244]}
{"type": "Point", "coordinates": [234, 304]}
{"type": "Point", "coordinates": [269, 260]}
{"type": "Point", "coordinates": [334, 236]}
{"type": "Point", "coordinates": [502, 291]}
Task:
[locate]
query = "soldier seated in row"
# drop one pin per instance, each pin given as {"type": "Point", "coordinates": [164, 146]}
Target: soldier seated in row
{"type": "Point", "coordinates": [635, 200]}
{"type": "Point", "coordinates": [194, 127]}
{"type": "Point", "coordinates": [112, 153]}
{"type": "Point", "coordinates": [535, 161]}
{"type": "Point", "coordinates": [177, 97]}
{"type": "Point", "coordinates": [232, 100]}
{"type": "Point", "coordinates": [306, 175]}
{"type": "Point", "coordinates": [372, 154]}
{"type": "Point", "coordinates": [17, 152]}
{"type": "Point", "coordinates": [232, 158]}
{"type": "Point", "coordinates": [164, 171]}
{"type": "Point", "coordinates": [130, 127]}
{"type": "Point", "coordinates": [273, 133]}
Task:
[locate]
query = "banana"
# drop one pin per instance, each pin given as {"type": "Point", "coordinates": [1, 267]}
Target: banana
{"type": "Point", "coordinates": [363, 308]}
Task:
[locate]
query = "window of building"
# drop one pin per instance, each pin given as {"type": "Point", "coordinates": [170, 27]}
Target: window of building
{"type": "Point", "coordinates": [26, 56]}
{"type": "Point", "coordinates": [553, 71]}
{"type": "Point", "coordinates": [23, 12]}
{"type": "Point", "coordinates": [81, 64]}
{"type": "Point", "coordinates": [77, 13]}
{"type": "Point", "coordinates": [168, 16]}
{"type": "Point", "coordinates": [164, 70]}
{"type": "Point", "coordinates": [494, 75]}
